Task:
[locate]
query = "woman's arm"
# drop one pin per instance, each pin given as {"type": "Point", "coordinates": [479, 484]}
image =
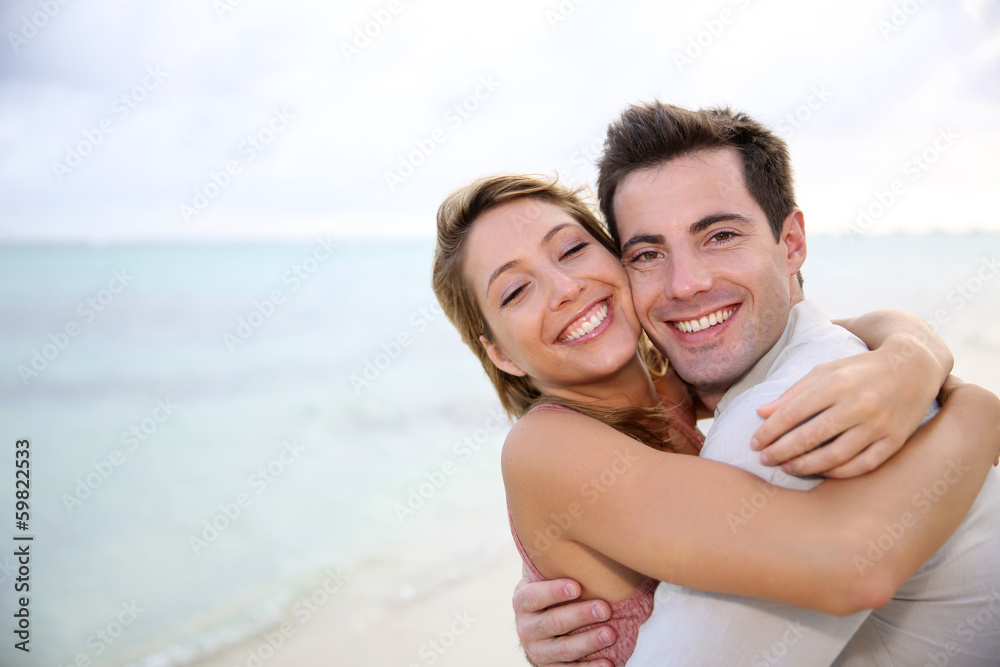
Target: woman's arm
{"type": "Point", "coordinates": [868, 404]}
{"type": "Point", "coordinates": [635, 505]}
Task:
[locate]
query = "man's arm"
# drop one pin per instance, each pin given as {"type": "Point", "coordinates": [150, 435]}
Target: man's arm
{"type": "Point", "coordinates": [863, 407]}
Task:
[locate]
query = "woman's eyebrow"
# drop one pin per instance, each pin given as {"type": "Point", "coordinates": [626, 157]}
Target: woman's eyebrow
{"type": "Point", "coordinates": [514, 262]}
{"type": "Point", "coordinates": [496, 274]}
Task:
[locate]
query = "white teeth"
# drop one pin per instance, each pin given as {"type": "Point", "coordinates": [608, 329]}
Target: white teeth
{"type": "Point", "coordinates": [587, 326]}
{"type": "Point", "coordinates": [710, 320]}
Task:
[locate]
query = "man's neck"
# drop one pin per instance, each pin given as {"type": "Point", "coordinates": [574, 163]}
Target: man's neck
{"type": "Point", "coordinates": [711, 398]}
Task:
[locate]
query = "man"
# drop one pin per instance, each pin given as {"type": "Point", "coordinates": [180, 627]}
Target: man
{"type": "Point", "coordinates": [702, 207]}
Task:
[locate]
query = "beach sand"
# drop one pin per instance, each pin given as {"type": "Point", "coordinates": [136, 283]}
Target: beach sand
{"type": "Point", "coordinates": [467, 622]}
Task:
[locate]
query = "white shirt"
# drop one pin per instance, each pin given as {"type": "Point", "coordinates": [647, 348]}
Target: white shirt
{"type": "Point", "coordinates": [922, 623]}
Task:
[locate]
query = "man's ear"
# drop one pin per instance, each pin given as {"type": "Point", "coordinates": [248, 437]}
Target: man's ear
{"type": "Point", "coordinates": [499, 359]}
{"type": "Point", "coordinates": [793, 236]}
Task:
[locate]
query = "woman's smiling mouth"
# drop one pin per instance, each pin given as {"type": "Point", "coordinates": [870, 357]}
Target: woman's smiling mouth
{"type": "Point", "coordinates": [591, 320]}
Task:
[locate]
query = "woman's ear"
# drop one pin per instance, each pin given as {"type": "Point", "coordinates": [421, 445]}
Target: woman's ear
{"type": "Point", "coordinates": [499, 359]}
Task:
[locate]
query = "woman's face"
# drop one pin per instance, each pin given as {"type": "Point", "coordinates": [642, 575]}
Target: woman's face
{"type": "Point", "coordinates": [557, 302]}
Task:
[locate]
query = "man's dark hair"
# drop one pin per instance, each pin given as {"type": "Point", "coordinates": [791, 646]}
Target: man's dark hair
{"type": "Point", "coordinates": [650, 134]}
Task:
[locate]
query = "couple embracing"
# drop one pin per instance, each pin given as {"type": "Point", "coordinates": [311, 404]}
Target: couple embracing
{"type": "Point", "coordinates": [701, 248]}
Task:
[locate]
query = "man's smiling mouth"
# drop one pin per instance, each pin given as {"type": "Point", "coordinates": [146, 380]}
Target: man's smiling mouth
{"type": "Point", "coordinates": [704, 322]}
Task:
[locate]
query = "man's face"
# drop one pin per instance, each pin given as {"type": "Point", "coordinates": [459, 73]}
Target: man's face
{"type": "Point", "coordinates": [711, 286]}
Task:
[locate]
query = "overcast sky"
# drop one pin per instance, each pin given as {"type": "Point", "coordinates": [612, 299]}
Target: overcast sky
{"type": "Point", "coordinates": [228, 119]}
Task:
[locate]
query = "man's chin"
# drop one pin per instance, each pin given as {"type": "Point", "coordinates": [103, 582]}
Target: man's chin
{"type": "Point", "coordinates": [708, 375]}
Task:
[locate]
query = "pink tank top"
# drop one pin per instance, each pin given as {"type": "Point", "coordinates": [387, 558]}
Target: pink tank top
{"type": "Point", "coordinates": [628, 614]}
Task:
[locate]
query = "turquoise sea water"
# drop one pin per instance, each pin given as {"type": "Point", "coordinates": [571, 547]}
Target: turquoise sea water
{"type": "Point", "coordinates": [227, 436]}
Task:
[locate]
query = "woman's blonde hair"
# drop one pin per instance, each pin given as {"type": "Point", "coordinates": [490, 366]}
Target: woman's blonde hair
{"type": "Point", "coordinates": [455, 220]}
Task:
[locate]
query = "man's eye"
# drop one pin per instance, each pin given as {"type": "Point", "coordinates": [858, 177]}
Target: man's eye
{"type": "Point", "coordinates": [645, 256]}
{"type": "Point", "coordinates": [723, 236]}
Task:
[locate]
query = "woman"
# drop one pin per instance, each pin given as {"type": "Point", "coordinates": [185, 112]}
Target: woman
{"type": "Point", "coordinates": [612, 512]}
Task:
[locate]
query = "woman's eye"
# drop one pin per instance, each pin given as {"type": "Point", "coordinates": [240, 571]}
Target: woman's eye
{"type": "Point", "coordinates": [510, 297]}
{"type": "Point", "coordinates": [575, 249]}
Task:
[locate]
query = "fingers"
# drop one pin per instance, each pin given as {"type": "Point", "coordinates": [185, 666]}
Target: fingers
{"type": "Point", "coordinates": [831, 455]}
{"type": "Point", "coordinates": [568, 650]}
{"type": "Point", "coordinates": [871, 458]}
{"type": "Point", "coordinates": [793, 410]}
{"type": "Point", "coordinates": [561, 620]}
{"type": "Point", "coordinates": [849, 455]}
{"type": "Point", "coordinates": [768, 409]}
{"type": "Point", "coordinates": [533, 596]}
{"type": "Point", "coordinates": [782, 415]}
{"type": "Point", "coordinates": [541, 626]}
{"type": "Point", "coordinates": [807, 436]}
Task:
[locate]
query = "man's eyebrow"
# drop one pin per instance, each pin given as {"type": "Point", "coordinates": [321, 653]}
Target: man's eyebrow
{"type": "Point", "coordinates": [514, 262]}
{"type": "Point", "coordinates": [652, 239]}
{"type": "Point", "coordinates": [710, 220]}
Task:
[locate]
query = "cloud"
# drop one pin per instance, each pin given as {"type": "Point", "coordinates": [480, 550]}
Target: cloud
{"type": "Point", "coordinates": [370, 84]}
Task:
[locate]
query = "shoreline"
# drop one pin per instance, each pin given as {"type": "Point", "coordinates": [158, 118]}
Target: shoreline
{"type": "Point", "coordinates": [466, 622]}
